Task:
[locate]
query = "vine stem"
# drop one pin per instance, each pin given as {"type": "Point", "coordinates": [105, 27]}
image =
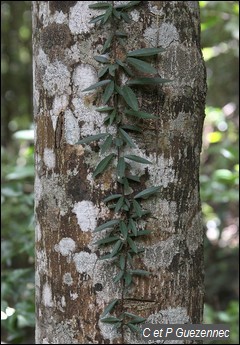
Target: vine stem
{"type": "Point", "coordinates": [115, 105]}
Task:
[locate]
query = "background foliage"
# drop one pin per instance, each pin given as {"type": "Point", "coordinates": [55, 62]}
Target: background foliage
{"type": "Point", "coordinates": [219, 170]}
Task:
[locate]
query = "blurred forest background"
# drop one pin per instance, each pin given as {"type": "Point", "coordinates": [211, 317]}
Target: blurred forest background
{"type": "Point", "coordinates": [219, 168]}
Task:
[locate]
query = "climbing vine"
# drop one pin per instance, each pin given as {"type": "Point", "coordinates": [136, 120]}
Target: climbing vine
{"type": "Point", "coordinates": [121, 110]}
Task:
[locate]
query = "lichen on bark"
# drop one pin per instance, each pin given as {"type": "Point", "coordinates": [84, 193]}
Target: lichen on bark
{"type": "Point", "coordinates": [72, 285]}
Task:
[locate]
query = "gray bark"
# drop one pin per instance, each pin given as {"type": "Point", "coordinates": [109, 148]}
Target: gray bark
{"type": "Point", "coordinates": [72, 285]}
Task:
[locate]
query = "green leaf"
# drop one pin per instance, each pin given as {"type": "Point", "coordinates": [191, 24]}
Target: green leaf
{"type": "Point", "coordinates": [137, 208]}
{"type": "Point", "coordinates": [123, 229]}
{"type": "Point", "coordinates": [102, 166]}
{"type": "Point", "coordinates": [107, 144]}
{"type": "Point", "coordinates": [118, 277]}
{"type": "Point", "coordinates": [121, 166]}
{"type": "Point", "coordinates": [112, 197]}
{"type": "Point", "coordinates": [122, 262]}
{"type": "Point", "coordinates": [117, 325]}
{"type": "Point", "coordinates": [132, 128]}
{"type": "Point", "coordinates": [148, 81]}
{"type": "Point", "coordinates": [128, 279]}
{"type": "Point", "coordinates": [144, 213]}
{"type": "Point", "coordinates": [112, 69]}
{"type": "Point", "coordinates": [110, 319]}
{"type": "Point", "coordinates": [126, 17]}
{"type": "Point", "coordinates": [96, 19]}
{"type": "Point", "coordinates": [140, 272]}
{"type": "Point", "coordinates": [145, 52]}
{"type": "Point", "coordinates": [92, 138]}
{"type": "Point", "coordinates": [104, 109]}
{"type": "Point", "coordinates": [135, 318]}
{"type": "Point", "coordinates": [108, 92]}
{"type": "Point", "coordinates": [102, 72]}
{"type": "Point", "coordinates": [107, 225]}
{"type": "Point", "coordinates": [121, 34]}
{"type": "Point", "coordinates": [118, 89]}
{"type": "Point", "coordinates": [132, 245]}
{"type": "Point", "coordinates": [127, 189]}
{"type": "Point", "coordinates": [107, 14]}
{"type": "Point", "coordinates": [137, 159]}
{"type": "Point", "coordinates": [118, 142]}
{"type": "Point", "coordinates": [125, 68]}
{"type": "Point", "coordinates": [112, 117]}
{"type": "Point", "coordinates": [107, 43]}
{"type": "Point", "coordinates": [109, 308]}
{"type": "Point", "coordinates": [129, 257]}
{"type": "Point", "coordinates": [142, 66]}
{"type": "Point", "coordinates": [101, 58]}
{"type": "Point", "coordinates": [140, 114]}
{"type": "Point", "coordinates": [134, 178]}
{"type": "Point", "coordinates": [126, 138]}
{"type": "Point", "coordinates": [106, 240]}
{"type": "Point", "coordinates": [120, 62]}
{"type": "Point", "coordinates": [134, 328]}
{"type": "Point", "coordinates": [147, 192]}
{"type": "Point", "coordinates": [119, 204]}
{"type": "Point", "coordinates": [130, 97]}
{"type": "Point", "coordinates": [116, 248]}
{"type": "Point", "coordinates": [100, 5]}
{"type": "Point", "coordinates": [131, 4]}
{"type": "Point", "coordinates": [95, 86]}
{"type": "Point", "coordinates": [116, 13]}
{"type": "Point", "coordinates": [132, 226]}
{"type": "Point", "coordinates": [105, 257]}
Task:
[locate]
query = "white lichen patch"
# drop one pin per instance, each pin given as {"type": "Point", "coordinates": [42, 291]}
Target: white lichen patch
{"type": "Point", "coordinates": [166, 214]}
{"type": "Point", "coordinates": [72, 130]}
{"type": "Point", "coordinates": [67, 279]}
{"type": "Point", "coordinates": [86, 213]}
{"type": "Point", "coordinates": [107, 331]}
{"type": "Point", "coordinates": [163, 36]}
{"type": "Point", "coordinates": [42, 59]}
{"type": "Point", "coordinates": [83, 77]}
{"type": "Point", "coordinates": [49, 158]}
{"type": "Point", "coordinates": [135, 15]}
{"type": "Point", "coordinates": [73, 52]}
{"type": "Point", "coordinates": [167, 34]}
{"type": "Point", "coordinates": [61, 202]}
{"type": "Point", "coordinates": [63, 332]}
{"type": "Point", "coordinates": [170, 315]}
{"type": "Point", "coordinates": [91, 120]}
{"type": "Point", "coordinates": [85, 262]}
{"type": "Point", "coordinates": [60, 104]}
{"type": "Point", "coordinates": [73, 295]}
{"type": "Point", "coordinates": [80, 16]}
{"type": "Point", "coordinates": [41, 261]}
{"type": "Point", "coordinates": [161, 172]}
{"type": "Point", "coordinates": [37, 189]}
{"type": "Point", "coordinates": [160, 255]}
{"type": "Point", "coordinates": [56, 79]}
{"type": "Point", "coordinates": [104, 272]}
{"type": "Point", "coordinates": [47, 295]}
{"type": "Point", "coordinates": [58, 17]}
{"type": "Point", "coordinates": [38, 232]}
{"type": "Point", "coordinates": [63, 301]}
{"type": "Point", "coordinates": [65, 247]}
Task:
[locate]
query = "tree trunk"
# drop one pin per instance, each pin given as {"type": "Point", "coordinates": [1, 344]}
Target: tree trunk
{"type": "Point", "coordinates": [72, 286]}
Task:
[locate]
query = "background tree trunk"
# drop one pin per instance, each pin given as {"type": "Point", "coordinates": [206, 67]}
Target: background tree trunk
{"type": "Point", "coordinates": [72, 285]}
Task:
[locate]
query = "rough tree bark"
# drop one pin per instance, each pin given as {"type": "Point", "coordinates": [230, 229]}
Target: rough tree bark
{"type": "Point", "coordinates": [72, 285]}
